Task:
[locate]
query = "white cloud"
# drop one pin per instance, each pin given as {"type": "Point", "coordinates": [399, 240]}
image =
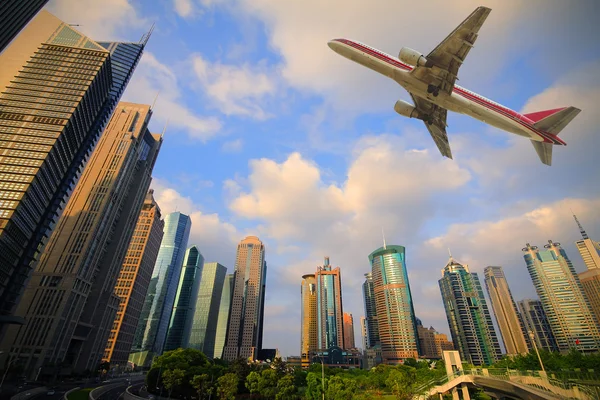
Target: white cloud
{"type": "Point", "coordinates": [233, 146]}
{"type": "Point", "coordinates": [184, 8]}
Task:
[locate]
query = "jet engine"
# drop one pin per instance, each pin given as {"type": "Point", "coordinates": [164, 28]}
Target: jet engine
{"type": "Point", "coordinates": [406, 110]}
{"type": "Point", "coordinates": [413, 57]}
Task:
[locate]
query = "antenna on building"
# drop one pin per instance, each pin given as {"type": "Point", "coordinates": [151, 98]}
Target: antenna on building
{"type": "Point", "coordinates": [155, 98]}
{"type": "Point", "coordinates": [383, 234]}
{"type": "Point", "coordinates": [581, 230]}
{"type": "Point", "coordinates": [147, 35]}
{"type": "Point", "coordinates": [449, 253]}
{"type": "Point", "coordinates": [164, 129]}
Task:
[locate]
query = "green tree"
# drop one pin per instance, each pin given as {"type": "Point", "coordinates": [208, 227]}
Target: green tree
{"type": "Point", "coordinates": [402, 381]}
{"type": "Point", "coordinates": [227, 386]}
{"type": "Point", "coordinates": [314, 386]}
{"type": "Point", "coordinates": [279, 366]}
{"type": "Point", "coordinates": [203, 386]}
{"type": "Point", "coordinates": [268, 383]}
{"type": "Point", "coordinates": [253, 382]}
{"type": "Point", "coordinates": [286, 389]}
{"type": "Point", "coordinates": [172, 379]}
{"type": "Point", "coordinates": [339, 388]}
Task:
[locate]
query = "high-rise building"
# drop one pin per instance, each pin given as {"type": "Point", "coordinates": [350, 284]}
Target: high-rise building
{"type": "Point", "coordinates": [395, 313]}
{"type": "Point", "coordinates": [309, 341]}
{"type": "Point", "coordinates": [590, 279]}
{"type": "Point", "coordinates": [244, 333]}
{"type": "Point", "coordinates": [14, 15]}
{"type": "Point", "coordinates": [182, 316]}
{"type": "Point", "coordinates": [58, 90]}
{"type": "Point", "coordinates": [506, 312]}
{"type": "Point", "coordinates": [349, 331]}
{"type": "Point", "coordinates": [363, 332]}
{"type": "Point", "coordinates": [468, 316]}
{"type": "Point", "coordinates": [330, 322]}
{"type": "Point", "coordinates": [151, 331]}
{"type": "Point", "coordinates": [432, 344]}
{"type": "Point", "coordinates": [80, 266]}
{"type": "Point", "coordinates": [568, 310]}
{"type": "Point", "coordinates": [133, 281]}
{"type": "Point", "coordinates": [370, 312]}
{"type": "Point", "coordinates": [535, 321]}
{"type": "Point", "coordinates": [223, 321]}
{"type": "Point", "coordinates": [204, 327]}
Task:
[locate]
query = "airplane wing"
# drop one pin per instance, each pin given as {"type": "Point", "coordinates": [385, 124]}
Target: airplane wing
{"type": "Point", "coordinates": [438, 127]}
{"type": "Point", "coordinates": [449, 55]}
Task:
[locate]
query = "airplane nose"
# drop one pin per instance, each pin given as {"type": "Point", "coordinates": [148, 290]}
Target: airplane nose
{"type": "Point", "coordinates": [333, 45]}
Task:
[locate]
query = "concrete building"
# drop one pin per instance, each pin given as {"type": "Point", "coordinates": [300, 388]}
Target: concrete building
{"type": "Point", "coordinates": [505, 310]}
{"type": "Point", "coordinates": [14, 15]}
{"type": "Point", "coordinates": [363, 332]}
{"type": "Point", "coordinates": [309, 338]}
{"type": "Point", "coordinates": [244, 333]}
{"type": "Point", "coordinates": [58, 90]}
{"type": "Point", "coordinates": [468, 316]}
{"type": "Point", "coordinates": [432, 344]}
{"type": "Point", "coordinates": [590, 279]}
{"type": "Point", "coordinates": [567, 308]}
{"type": "Point", "coordinates": [372, 327]}
{"type": "Point", "coordinates": [535, 321]}
{"type": "Point", "coordinates": [349, 331]}
{"type": "Point", "coordinates": [70, 303]}
{"type": "Point", "coordinates": [223, 319]}
{"type": "Point", "coordinates": [394, 306]}
{"type": "Point", "coordinates": [330, 322]}
{"type": "Point", "coordinates": [134, 279]}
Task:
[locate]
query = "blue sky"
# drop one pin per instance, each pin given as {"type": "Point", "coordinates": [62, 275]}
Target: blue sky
{"type": "Point", "coordinates": [270, 133]}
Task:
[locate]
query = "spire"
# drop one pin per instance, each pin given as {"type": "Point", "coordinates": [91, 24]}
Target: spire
{"type": "Point", "coordinates": [449, 253]}
{"type": "Point", "coordinates": [583, 233]}
{"type": "Point", "coordinates": [155, 98]}
{"type": "Point", "coordinates": [383, 234]}
{"type": "Point", "coordinates": [164, 129]}
{"type": "Point", "coordinates": [146, 36]}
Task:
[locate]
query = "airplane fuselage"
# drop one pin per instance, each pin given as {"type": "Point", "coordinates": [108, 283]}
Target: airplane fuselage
{"type": "Point", "coordinates": [461, 100]}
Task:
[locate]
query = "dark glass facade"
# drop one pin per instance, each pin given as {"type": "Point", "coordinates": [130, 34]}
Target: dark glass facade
{"type": "Point", "coordinates": [370, 312]}
{"type": "Point", "coordinates": [223, 320]}
{"type": "Point", "coordinates": [14, 15]}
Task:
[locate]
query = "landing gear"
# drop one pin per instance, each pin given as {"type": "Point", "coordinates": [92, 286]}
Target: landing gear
{"type": "Point", "coordinates": [433, 90]}
{"type": "Point", "coordinates": [428, 120]}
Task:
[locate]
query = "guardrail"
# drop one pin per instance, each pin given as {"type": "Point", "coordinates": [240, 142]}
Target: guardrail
{"type": "Point", "coordinates": [66, 395]}
{"type": "Point", "coordinates": [99, 391]}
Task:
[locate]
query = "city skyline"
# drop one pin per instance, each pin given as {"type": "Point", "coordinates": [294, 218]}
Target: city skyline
{"type": "Point", "coordinates": [223, 165]}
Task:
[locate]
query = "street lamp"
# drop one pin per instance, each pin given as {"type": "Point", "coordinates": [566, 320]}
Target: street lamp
{"type": "Point", "coordinates": [322, 375]}
{"type": "Point", "coordinates": [532, 337]}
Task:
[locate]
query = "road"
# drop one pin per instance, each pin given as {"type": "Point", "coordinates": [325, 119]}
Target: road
{"type": "Point", "coordinates": [62, 389]}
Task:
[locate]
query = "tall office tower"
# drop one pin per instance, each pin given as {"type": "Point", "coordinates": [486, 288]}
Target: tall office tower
{"type": "Point", "coordinates": [535, 321]}
{"type": "Point", "coordinates": [133, 280]}
{"type": "Point", "coordinates": [370, 312]}
{"type": "Point", "coordinates": [184, 307]}
{"type": "Point", "coordinates": [223, 320]}
{"type": "Point", "coordinates": [14, 15]}
{"type": "Point", "coordinates": [468, 316]}
{"type": "Point", "coordinates": [349, 331]}
{"type": "Point", "coordinates": [80, 266]}
{"type": "Point", "coordinates": [245, 322]}
{"type": "Point", "coordinates": [590, 279]}
{"type": "Point", "coordinates": [58, 90]}
{"type": "Point", "coordinates": [395, 313]}
{"type": "Point", "coordinates": [505, 310]}
{"type": "Point", "coordinates": [152, 328]}
{"type": "Point", "coordinates": [330, 322]}
{"type": "Point", "coordinates": [206, 316]}
{"type": "Point", "coordinates": [363, 332]}
{"type": "Point", "coordinates": [308, 341]}
{"type": "Point", "coordinates": [568, 310]}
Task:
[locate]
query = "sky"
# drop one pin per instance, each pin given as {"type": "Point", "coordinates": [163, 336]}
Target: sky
{"type": "Point", "coordinates": [270, 133]}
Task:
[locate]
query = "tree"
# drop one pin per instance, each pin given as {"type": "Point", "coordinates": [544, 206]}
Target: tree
{"type": "Point", "coordinates": [253, 382]}
{"type": "Point", "coordinates": [279, 366]}
{"type": "Point", "coordinates": [339, 388]}
{"type": "Point", "coordinates": [285, 388]}
{"type": "Point", "coordinates": [268, 383]}
{"type": "Point", "coordinates": [403, 382]}
{"type": "Point", "coordinates": [227, 386]}
{"type": "Point", "coordinates": [202, 384]}
{"type": "Point", "coordinates": [172, 379]}
{"type": "Point", "coordinates": [314, 386]}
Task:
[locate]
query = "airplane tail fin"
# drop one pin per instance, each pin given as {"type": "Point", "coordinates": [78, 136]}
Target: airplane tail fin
{"type": "Point", "coordinates": [553, 121]}
{"type": "Point", "coordinates": [544, 151]}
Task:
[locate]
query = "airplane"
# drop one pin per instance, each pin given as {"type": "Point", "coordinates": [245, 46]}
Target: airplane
{"type": "Point", "coordinates": [430, 81]}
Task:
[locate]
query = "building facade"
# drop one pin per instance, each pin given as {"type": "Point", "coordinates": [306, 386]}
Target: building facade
{"type": "Point", "coordinates": [349, 331]}
{"type": "Point", "coordinates": [432, 344]}
{"type": "Point", "coordinates": [133, 281]}
{"type": "Point", "coordinates": [506, 312]}
{"type": "Point", "coordinates": [204, 327]}
{"type": "Point", "coordinates": [363, 332]}
{"type": "Point", "coordinates": [468, 316]}
{"type": "Point", "coordinates": [224, 310]}
{"type": "Point", "coordinates": [330, 322]}
{"type": "Point", "coordinates": [535, 321]}
{"type": "Point", "coordinates": [308, 340]}
{"type": "Point", "coordinates": [370, 312]}
{"type": "Point", "coordinates": [395, 312]}
{"type": "Point", "coordinates": [244, 333]}
{"type": "Point", "coordinates": [151, 331]}
{"type": "Point", "coordinates": [14, 16]}
{"type": "Point", "coordinates": [80, 266]}
{"type": "Point", "coordinates": [182, 316]}
{"type": "Point", "coordinates": [58, 90]}
{"type": "Point", "coordinates": [590, 279]}
{"type": "Point", "coordinates": [567, 308]}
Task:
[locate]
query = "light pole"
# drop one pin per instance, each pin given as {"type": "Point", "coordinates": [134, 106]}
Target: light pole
{"type": "Point", "coordinates": [322, 376]}
{"type": "Point", "coordinates": [532, 337]}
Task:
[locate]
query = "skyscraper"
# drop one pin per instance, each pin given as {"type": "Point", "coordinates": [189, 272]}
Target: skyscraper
{"type": "Point", "coordinates": [589, 250]}
{"type": "Point", "coordinates": [151, 331]}
{"type": "Point", "coordinates": [244, 332]}
{"type": "Point", "coordinates": [223, 320]}
{"type": "Point", "coordinates": [568, 311]}
{"type": "Point", "coordinates": [182, 316]}
{"type": "Point", "coordinates": [432, 344]}
{"type": "Point", "coordinates": [468, 316]}
{"type": "Point", "coordinates": [330, 322]}
{"type": "Point", "coordinates": [395, 313]}
{"type": "Point", "coordinates": [349, 331]}
{"type": "Point", "coordinates": [370, 312]}
{"type": "Point", "coordinates": [133, 281]}
{"type": "Point", "coordinates": [363, 332]}
{"type": "Point", "coordinates": [59, 89]}
{"type": "Point", "coordinates": [80, 266]}
{"type": "Point", "coordinates": [590, 279]}
{"type": "Point", "coordinates": [534, 320]}
{"type": "Point", "coordinates": [505, 310]}
{"type": "Point", "coordinates": [308, 340]}
{"type": "Point", "coordinates": [206, 315]}
{"type": "Point", "coordinates": [14, 15]}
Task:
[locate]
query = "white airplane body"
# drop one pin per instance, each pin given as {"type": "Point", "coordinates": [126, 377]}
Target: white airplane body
{"type": "Point", "coordinates": [430, 82]}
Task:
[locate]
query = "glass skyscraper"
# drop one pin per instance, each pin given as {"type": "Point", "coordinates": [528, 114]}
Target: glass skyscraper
{"type": "Point", "coordinates": [590, 279]}
{"type": "Point", "coordinates": [152, 331]}
{"type": "Point", "coordinates": [308, 338]}
{"type": "Point", "coordinates": [468, 315]}
{"type": "Point", "coordinates": [370, 312]}
{"type": "Point", "coordinates": [330, 312]}
{"type": "Point", "coordinates": [14, 15]}
{"type": "Point", "coordinates": [568, 311]}
{"type": "Point", "coordinates": [205, 321]}
{"type": "Point", "coordinates": [223, 320]}
{"type": "Point", "coordinates": [185, 300]}
{"type": "Point", "coordinates": [395, 313]}
{"type": "Point", "coordinates": [534, 319]}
